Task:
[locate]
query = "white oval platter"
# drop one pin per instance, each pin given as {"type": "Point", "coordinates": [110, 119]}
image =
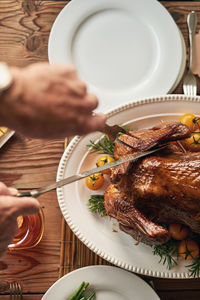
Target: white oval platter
{"type": "Point", "coordinates": [98, 233]}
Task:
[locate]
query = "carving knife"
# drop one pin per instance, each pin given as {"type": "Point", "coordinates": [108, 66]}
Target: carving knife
{"type": "Point", "coordinates": [37, 192]}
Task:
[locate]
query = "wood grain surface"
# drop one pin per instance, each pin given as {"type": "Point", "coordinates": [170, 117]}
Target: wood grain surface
{"type": "Point", "coordinates": [27, 163]}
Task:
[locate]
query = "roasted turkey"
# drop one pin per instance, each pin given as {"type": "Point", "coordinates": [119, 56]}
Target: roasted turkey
{"type": "Point", "coordinates": [161, 188]}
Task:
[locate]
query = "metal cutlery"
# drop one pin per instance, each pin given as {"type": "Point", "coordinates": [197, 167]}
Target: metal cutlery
{"type": "Point", "coordinates": [189, 81]}
{"type": "Point", "coordinates": [13, 288]}
{"type": "Point", "coordinates": [114, 130]}
{"type": "Point", "coordinates": [53, 186]}
{"type": "Point", "coordinates": [15, 291]}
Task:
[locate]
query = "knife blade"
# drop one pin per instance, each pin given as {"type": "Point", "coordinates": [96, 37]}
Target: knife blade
{"type": "Point", "coordinates": [37, 192]}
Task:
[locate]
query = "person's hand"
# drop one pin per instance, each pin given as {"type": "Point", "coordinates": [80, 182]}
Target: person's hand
{"type": "Point", "coordinates": [49, 101]}
{"type": "Point", "coordinates": [10, 208]}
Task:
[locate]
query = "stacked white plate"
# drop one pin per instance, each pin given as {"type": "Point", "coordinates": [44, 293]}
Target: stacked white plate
{"type": "Point", "coordinates": [109, 283]}
{"type": "Point", "coordinates": [123, 49]}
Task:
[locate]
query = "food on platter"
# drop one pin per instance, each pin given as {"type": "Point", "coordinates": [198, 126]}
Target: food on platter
{"type": "Point", "coordinates": [188, 249]}
{"type": "Point", "coordinates": [156, 199]}
{"type": "Point", "coordinates": [95, 181]}
{"type": "Point", "coordinates": [193, 142]}
{"type": "Point", "coordinates": [80, 293]}
{"type": "Point", "coordinates": [147, 192]}
{"type": "Point", "coordinates": [178, 231]}
{"type": "Point", "coordinates": [103, 160]}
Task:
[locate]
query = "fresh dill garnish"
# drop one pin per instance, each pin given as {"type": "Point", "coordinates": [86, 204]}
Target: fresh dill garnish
{"type": "Point", "coordinates": [96, 205]}
{"type": "Point", "coordinates": [166, 252]}
{"type": "Point", "coordinates": [194, 268]}
{"type": "Point", "coordinates": [104, 146]}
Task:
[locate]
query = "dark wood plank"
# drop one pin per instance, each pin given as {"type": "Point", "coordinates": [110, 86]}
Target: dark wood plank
{"type": "Point", "coordinates": [180, 295]}
{"type": "Point", "coordinates": [29, 163]}
{"type": "Point", "coordinates": [25, 297]}
{"type": "Point", "coordinates": [24, 30]}
{"type": "Point", "coordinates": [176, 284]}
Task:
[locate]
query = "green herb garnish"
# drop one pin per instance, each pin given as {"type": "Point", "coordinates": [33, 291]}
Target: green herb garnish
{"type": "Point", "coordinates": [96, 205]}
{"type": "Point", "coordinates": [166, 252]}
{"type": "Point", "coordinates": [78, 294]}
{"type": "Point", "coordinates": [104, 146]}
{"type": "Point", "coordinates": [194, 268]}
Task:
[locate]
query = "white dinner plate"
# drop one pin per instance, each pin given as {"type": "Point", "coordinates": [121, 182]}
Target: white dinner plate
{"type": "Point", "coordinates": [122, 49]}
{"type": "Point", "coordinates": [183, 64]}
{"type": "Point", "coordinates": [101, 234]}
{"type": "Point", "coordinates": [109, 283]}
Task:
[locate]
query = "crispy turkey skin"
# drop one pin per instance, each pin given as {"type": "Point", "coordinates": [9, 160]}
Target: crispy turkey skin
{"type": "Point", "coordinates": [160, 188]}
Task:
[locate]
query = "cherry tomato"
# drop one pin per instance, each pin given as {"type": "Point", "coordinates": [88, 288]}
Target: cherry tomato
{"type": "Point", "coordinates": [103, 160]}
{"type": "Point", "coordinates": [191, 121]}
{"type": "Point", "coordinates": [95, 181]}
{"type": "Point", "coordinates": [188, 249]}
{"type": "Point", "coordinates": [193, 143]}
{"type": "Point", "coordinates": [178, 231]}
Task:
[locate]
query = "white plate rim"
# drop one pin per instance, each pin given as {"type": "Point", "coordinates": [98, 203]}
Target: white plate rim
{"type": "Point", "coordinates": [180, 55]}
{"type": "Point", "coordinates": [74, 228]}
{"type": "Point", "coordinates": [97, 268]}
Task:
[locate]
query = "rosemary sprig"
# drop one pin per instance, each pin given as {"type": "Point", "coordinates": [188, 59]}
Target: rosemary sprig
{"type": "Point", "coordinates": [194, 268]}
{"type": "Point", "coordinates": [96, 205]}
{"type": "Point", "coordinates": [166, 252]}
{"type": "Point", "coordinates": [104, 146]}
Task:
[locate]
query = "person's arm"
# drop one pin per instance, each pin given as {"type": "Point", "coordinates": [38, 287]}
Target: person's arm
{"type": "Point", "coordinates": [49, 101]}
{"type": "Point", "coordinates": [10, 208]}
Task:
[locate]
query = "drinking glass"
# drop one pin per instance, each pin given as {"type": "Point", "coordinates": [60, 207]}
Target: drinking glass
{"type": "Point", "coordinates": [31, 230]}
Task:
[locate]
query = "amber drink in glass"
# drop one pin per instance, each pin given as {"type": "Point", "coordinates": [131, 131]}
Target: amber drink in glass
{"type": "Point", "coordinates": [31, 229]}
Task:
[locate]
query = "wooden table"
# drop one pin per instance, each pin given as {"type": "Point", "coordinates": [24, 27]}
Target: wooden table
{"type": "Point", "coordinates": [27, 163]}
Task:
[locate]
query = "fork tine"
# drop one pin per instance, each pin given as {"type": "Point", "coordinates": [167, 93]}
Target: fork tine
{"type": "Point", "coordinates": [190, 84]}
{"type": "Point", "coordinates": [11, 291]}
{"type": "Point", "coordinates": [20, 291]}
{"type": "Point", "coordinates": [15, 291]}
{"type": "Point", "coordinates": [18, 288]}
